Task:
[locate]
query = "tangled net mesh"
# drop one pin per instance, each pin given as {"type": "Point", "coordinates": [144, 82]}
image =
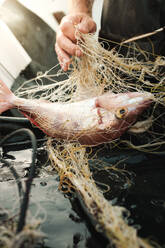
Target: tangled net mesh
{"type": "Point", "coordinates": [96, 72]}
{"type": "Point", "coordinates": [28, 237]}
{"type": "Point", "coordinates": [100, 70]}
{"type": "Point", "coordinates": [71, 162]}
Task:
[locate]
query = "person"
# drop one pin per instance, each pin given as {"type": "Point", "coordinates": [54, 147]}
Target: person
{"type": "Point", "coordinates": [80, 14]}
{"type": "Point", "coordinates": [121, 20]}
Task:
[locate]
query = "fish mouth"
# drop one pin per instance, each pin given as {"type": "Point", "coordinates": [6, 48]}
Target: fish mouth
{"type": "Point", "coordinates": [136, 97]}
{"type": "Point", "coordinates": [139, 102]}
{"type": "Point", "coordinates": [140, 105]}
{"type": "Point", "coordinates": [141, 126]}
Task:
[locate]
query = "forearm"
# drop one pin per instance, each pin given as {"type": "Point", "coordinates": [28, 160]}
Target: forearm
{"type": "Point", "coordinates": [80, 6]}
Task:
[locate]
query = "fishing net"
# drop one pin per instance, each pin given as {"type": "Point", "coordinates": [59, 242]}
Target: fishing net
{"type": "Point", "coordinates": [71, 162]}
{"type": "Point", "coordinates": [99, 71]}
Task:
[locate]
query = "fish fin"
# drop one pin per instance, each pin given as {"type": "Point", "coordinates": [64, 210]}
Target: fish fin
{"type": "Point", "coordinates": [26, 114]}
{"type": "Point", "coordinates": [6, 96]}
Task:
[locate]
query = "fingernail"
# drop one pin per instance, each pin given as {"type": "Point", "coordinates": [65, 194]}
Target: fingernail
{"type": "Point", "coordinates": [64, 67]}
{"type": "Point", "coordinates": [78, 53]}
{"type": "Point", "coordinates": [64, 64]}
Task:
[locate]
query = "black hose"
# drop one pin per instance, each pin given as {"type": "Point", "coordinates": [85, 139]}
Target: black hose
{"type": "Point", "coordinates": [25, 202]}
{"type": "Point", "coordinates": [15, 123]}
{"type": "Point", "coordinates": [22, 144]}
{"type": "Point", "coordinates": [28, 183]}
{"type": "Point", "coordinates": [14, 119]}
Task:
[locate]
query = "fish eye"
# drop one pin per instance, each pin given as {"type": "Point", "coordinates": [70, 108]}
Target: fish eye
{"type": "Point", "coordinates": [121, 113]}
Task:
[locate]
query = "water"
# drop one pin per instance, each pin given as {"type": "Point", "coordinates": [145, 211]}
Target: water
{"type": "Point", "coordinates": [141, 190]}
{"type": "Point", "coordinates": [62, 219]}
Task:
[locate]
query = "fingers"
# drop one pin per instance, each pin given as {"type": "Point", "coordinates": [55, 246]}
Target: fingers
{"type": "Point", "coordinates": [87, 25]}
{"type": "Point", "coordinates": [68, 29]}
{"type": "Point", "coordinates": [66, 44]}
{"type": "Point", "coordinates": [66, 41]}
{"type": "Point", "coordinates": [65, 48]}
{"type": "Point", "coordinates": [63, 57]}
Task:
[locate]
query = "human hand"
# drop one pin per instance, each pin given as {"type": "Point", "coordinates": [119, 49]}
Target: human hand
{"type": "Point", "coordinates": [66, 41]}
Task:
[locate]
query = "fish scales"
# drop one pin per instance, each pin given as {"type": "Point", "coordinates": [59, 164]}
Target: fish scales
{"type": "Point", "coordinates": [91, 121]}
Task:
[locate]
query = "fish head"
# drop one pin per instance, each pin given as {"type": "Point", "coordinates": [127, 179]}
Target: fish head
{"type": "Point", "coordinates": [123, 110]}
{"type": "Point", "coordinates": [128, 106]}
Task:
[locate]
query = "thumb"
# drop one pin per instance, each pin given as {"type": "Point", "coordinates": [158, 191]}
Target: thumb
{"type": "Point", "coordinates": [87, 25]}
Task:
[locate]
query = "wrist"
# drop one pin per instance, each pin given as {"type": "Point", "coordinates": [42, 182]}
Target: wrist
{"type": "Point", "coordinates": [81, 7]}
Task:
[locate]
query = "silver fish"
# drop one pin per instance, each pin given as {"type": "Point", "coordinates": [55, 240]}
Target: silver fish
{"type": "Point", "coordinates": [91, 122]}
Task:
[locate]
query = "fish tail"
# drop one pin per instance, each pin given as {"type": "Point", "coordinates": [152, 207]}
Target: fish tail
{"type": "Point", "coordinates": [6, 97]}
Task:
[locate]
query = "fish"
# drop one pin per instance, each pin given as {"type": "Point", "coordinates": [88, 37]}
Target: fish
{"type": "Point", "coordinates": [92, 121]}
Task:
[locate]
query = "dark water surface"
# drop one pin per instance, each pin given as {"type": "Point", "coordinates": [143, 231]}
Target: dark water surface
{"type": "Point", "coordinates": [62, 220]}
{"type": "Point", "coordinates": [141, 191]}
